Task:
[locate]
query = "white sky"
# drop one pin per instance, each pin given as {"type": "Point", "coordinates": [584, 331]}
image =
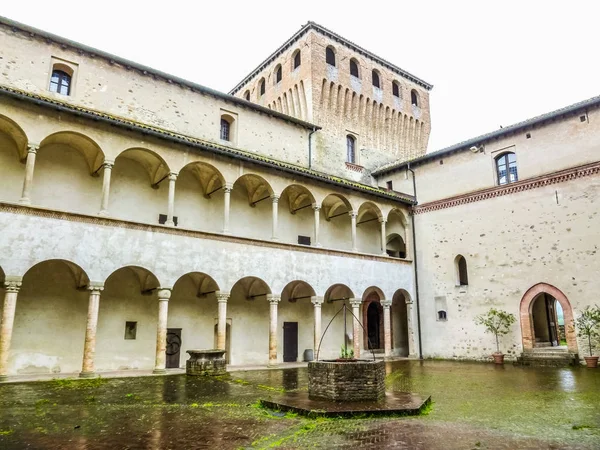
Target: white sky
{"type": "Point", "coordinates": [491, 63]}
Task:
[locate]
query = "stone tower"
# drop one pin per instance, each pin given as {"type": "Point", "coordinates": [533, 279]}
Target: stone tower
{"type": "Point", "coordinates": [371, 111]}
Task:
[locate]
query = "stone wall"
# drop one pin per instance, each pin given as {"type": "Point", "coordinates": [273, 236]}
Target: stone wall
{"type": "Point", "coordinates": [346, 381]}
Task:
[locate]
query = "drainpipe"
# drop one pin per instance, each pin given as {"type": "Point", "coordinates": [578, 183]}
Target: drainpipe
{"type": "Point", "coordinates": [310, 148]}
{"type": "Point", "coordinates": [414, 237]}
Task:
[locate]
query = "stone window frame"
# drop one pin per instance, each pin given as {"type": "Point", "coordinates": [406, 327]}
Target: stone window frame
{"type": "Point", "coordinates": [503, 154]}
{"type": "Point", "coordinates": [441, 306]}
{"type": "Point", "coordinates": [232, 118]}
{"type": "Point", "coordinates": [70, 68]}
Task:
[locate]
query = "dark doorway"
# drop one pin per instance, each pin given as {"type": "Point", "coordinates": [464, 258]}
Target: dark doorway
{"type": "Point", "coordinates": [373, 325]}
{"type": "Point", "coordinates": [545, 321]}
{"type": "Point", "coordinates": [173, 347]}
{"type": "Point", "coordinates": [290, 341]}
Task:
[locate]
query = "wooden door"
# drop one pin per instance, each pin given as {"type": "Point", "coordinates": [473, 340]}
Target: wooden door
{"type": "Point", "coordinates": [290, 341]}
{"type": "Point", "coordinates": [173, 347]}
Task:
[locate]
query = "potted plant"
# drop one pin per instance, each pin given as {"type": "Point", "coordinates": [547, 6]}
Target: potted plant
{"type": "Point", "coordinates": [587, 324]}
{"type": "Point", "coordinates": [497, 322]}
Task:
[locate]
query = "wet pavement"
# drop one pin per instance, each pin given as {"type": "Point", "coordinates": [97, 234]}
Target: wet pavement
{"type": "Point", "coordinates": [475, 406]}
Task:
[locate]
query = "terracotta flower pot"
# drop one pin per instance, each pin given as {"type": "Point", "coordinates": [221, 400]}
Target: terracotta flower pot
{"type": "Point", "coordinates": [498, 358]}
{"type": "Point", "coordinates": [591, 361]}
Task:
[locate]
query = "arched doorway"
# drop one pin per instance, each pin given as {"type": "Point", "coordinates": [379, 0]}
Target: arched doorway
{"type": "Point", "coordinates": [541, 320]}
{"type": "Point", "coordinates": [399, 313]}
{"type": "Point", "coordinates": [373, 326]}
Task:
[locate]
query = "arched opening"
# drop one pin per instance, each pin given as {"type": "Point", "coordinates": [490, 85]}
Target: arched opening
{"type": "Point", "coordinates": [541, 325]}
{"type": "Point", "coordinates": [414, 98]}
{"type": "Point", "coordinates": [296, 60]}
{"type": "Point", "coordinates": [262, 87]}
{"type": "Point", "coordinates": [247, 95]}
{"type": "Point", "coordinates": [64, 176]}
{"type": "Point", "coordinates": [13, 148]}
{"type": "Point", "coordinates": [330, 56]}
{"type": "Point", "coordinates": [296, 318]}
{"type": "Point", "coordinates": [462, 275]}
{"type": "Point", "coordinates": [50, 319]}
{"type": "Point", "coordinates": [372, 318]}
{"type": "Point", "coordinates": [296, 227]}
{"type": "Point", "coordinates": [335, 223]}
{"type": "Point", "coordinates": [506, 168]}
{"type": "Point", "coordinates": [199, 197]}
{"type": "Point", "coordinates": [368, 228]}
{"type": "Point", "coordinates": [376, 79]}
{"type": "Point", "coordinates": [399, 318]}
{"type": "Point", "coordinates": [396, 89]}
{"type": "Point", "coordinates": [278, 74]}
{"type": "Point", "coordinates": [333, 339]}
{"type": "Point", "coordinates": [395, 246]}
{"type": "Point", "coordinates": [192, 315]}
{"type": "Point", "coordinates": [251, 207]}
{"type": "Point", "coordinates": [354, 68]}
{"type": "Point", "coordinates": [139, 186]}
{"type": "Point", "coordinates": [398, 234]}
{"type": "Point", "coordinates": [248, 309]}
{"type": "Point", "coordinates": [128, 320]}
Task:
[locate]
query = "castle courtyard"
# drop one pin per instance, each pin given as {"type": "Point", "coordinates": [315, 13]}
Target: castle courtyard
{"type": "Point", "coordinates": [475, 406]}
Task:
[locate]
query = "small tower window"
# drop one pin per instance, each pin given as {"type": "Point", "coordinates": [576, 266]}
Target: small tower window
{"type": "Point", "coordinates": [351, 149]}
{"type": "Point", "coordinates": [247, 95]}
{"type": "Point", "coordinates": [395, 89]}
{"type": "Point", "coordinates": [330, 56]}
{"type": "Point", "coordinates": [414, 98]}
{"type": "Point", "coordinates": [297, 59]}
{"type": "Point", "coordinates": [278, 74]}
{"type": "Point", "coordinates": [462, 276]}
{"type": "Point", "coordinates": [354, 68]}
{"type": "Point", "coordinates": [60, 82]}
{"type": "Point", "coordinates": [261, 88]}
{"type": "Point", "coordinates": [375, 78]}
{"type": "Point", "coordinates": [224, 129]}
{"type": "Point", "coordinates": [506, 168]}
{"type": "Point", "coordinates": [442, 315]}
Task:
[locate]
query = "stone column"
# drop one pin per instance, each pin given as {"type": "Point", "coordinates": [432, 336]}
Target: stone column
{"type": "Point", "coordinates": [222, 298]}
{"type": "Point", "coordinates": [387, 327]}
{"type": "Point", "coordinates": [411, 332]}
{"type": "Point", "coordinates": [89, 346]}
{"type": "Point", "coordinates": [6, 326]}
{"type": "Point", "coordinates": [357, 334]}
{"type": "Point", "coordinates": [317, 302]}
{"type": "Point", "coordinates": [161, 332]}
{"type": "Point", "coordinates": [275, 199]}
{"type": "Point", "coordinates": [353, 227]}
{"type": "Point", "coordinates": [171, 204]}
{"type": "Point", "coordinates": [28, 181]}
{"type": "Point", "coordinates": [273, 302]}
{"type": "Point", "coordinates": [226, 204]}
{"type": "Point", "coordinates": [383, 237]}
{"type": "Point", "coordinates": [108, 165]}
{"type": "Point", "coordinates": [317, 210]}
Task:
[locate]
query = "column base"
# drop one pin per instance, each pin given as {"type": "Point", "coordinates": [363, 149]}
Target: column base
{"type": "Point", "coordinates": [25, 201]}
{"type": "Point", "coordinates": [103, 213]}
{"type": "Point", "coordinates": [159, 371]}
{"type": "Point", "coordinates": [88, 375]}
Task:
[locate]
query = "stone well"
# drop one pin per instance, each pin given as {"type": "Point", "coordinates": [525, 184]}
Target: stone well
{"type": "Point", "coordinates": [346, 381]}
{"type": "Point", "coordinates": [206, 363]}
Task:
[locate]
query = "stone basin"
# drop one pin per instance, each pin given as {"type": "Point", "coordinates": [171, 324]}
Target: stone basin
{"type": "Point", "coordinates": [347, 380]}
{"type": "Point", "coordinates": [206, 362]}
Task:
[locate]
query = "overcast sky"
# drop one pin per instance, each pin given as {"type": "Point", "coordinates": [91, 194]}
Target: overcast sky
{"type": "Point", "coordinates": [491, 63]}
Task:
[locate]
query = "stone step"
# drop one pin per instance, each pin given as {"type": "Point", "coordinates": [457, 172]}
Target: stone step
{"type": "Point", "coordinates": [554, 359]}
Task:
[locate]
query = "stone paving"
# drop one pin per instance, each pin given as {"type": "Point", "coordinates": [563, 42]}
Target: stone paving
{"type": "Point", "coordinates": [476, 406]}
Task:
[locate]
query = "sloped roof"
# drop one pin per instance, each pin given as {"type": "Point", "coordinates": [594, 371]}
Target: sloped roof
{"type": "Point", "coordinates": [336, 37]}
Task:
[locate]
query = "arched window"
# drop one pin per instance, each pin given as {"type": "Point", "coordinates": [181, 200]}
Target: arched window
{"type": "Point", "coordinates": [395, 89]}
{"type": "Point", "coordinates": [462, 277]}
{"type": "Point", "coordinates": [225, 128]}
{"type": "Point", "coordinates": [297, 60]}
{"type": "Point", "coordinates": [354, 68]}
{"type": "Point", "coordinates": [278, 74]}
{"type": "Point", "coordinates": [442, 315]}
{"type": "Point", "coordinates": [330, 56]}
{"type": "Point", "coordinates": [350, 149]}
{"type": "Point", "coordinates": [247, 95]}
{"type": "Point", "coordinates": [414, 98]}
{"type": "Point", "coordinates": [506, 168]}
{"type": "Point", "coordinates": [261, 87]}
{"type": "Point", "coordinates": [60, 82]}
{"type": "Point", "coordinates": [375, 78]}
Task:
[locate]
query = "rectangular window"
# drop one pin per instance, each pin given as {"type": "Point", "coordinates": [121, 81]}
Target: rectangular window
{"type": "Point", "coordinates": [304, 240]}
{"type": "Point", "coordinates": [390, 185]}
{"type": "Point", "coordinates": [130, 330]}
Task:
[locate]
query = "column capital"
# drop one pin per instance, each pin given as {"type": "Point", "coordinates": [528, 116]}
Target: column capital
{"type": "Point", "coordinates": [108, 164]}
{"type": "Point", "coordinates": [222, 297]}
{"type": "Point", "coordinates": [382, 220]}
{"type": "Point", "coordinates": [95, 287]}
{"type": "Point", "coordinates": [317, 300]}
{"type": "Point", "coordinates": [353, 214]}
{"type": "Point", "coordinates": [164, 294]}
{"type": "Point", "coordinates": [12, 285]}
{"type": "Point", "coordinates": [227, 189]}
{"type": "Point", "coordinates": [316, 207]}
{"type": "Point", "coordinates": [273, 299]}
{"type": "Point", "coordinates": [33, 148]}
{"type": "Point", "coordinates": [385, 303]}
{"type": "Point", "coordinates": [173, 176]}
{"type": "Point", "coordinates": [275, 198]}
{"type": "Point", "coordinates": [355, 302]}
